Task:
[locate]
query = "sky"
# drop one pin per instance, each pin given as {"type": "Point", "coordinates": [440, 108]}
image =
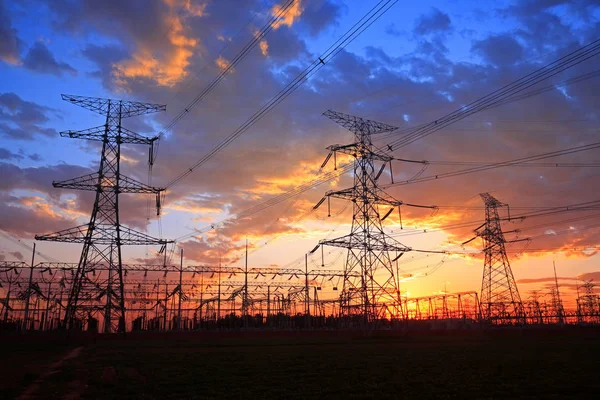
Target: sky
{"type": "Point", "coordinates": [415, 64]}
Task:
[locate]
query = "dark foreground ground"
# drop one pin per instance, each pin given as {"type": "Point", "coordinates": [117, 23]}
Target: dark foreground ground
{"type": "Point", "coordinates": [483, 365]}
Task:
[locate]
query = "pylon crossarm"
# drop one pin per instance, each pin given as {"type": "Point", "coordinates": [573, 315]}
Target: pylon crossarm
{"type": "Point", "coordinates": [355, 149]}
{"type": "Point", "coordinates": [352, 241]}
{"type": "Point", "coordinates": [7, 265]}
{"type": "Point", "coordinates": [71, 235]}
{"type": "Point", "coordinates": [99, 133]}
{"type": "Point", "coordinates": [103, 235]}
{"type": "Point", "coordinates": [130, 185]}
{"type": "Point", "coordinates": [95, 133]}
{"type": "Point", "coordinates": [318, 273]}
{"type": "Point", "coordinates": [382, 198]}
{"type": "Point", "coordinates": [344, 194]}
{"type": "Point", "coordinates": [149, 268]}
{"type": "Point", "coordinates": [131, 137]}
{"type": "Point", "coordinates": [91, 182]}
{"type": "Point", "coordinates": [349, 149]}
{"type": "Point", "coordinates": [357, 125]}
{"type": "Point", "coordinates": [132, 237]}
{"type": "Point", "coordinates": [84, 182]}
{"type": "Point", "coordinates": [275, 271]}
{"type": "Point", "coordinates": [103, 106]}
{"type": "Point", "coordinates": [213, 269]}
{"type": "Point", "coordinates": [260, 285]}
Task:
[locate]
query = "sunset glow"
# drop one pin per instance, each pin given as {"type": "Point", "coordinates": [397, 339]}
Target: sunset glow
{"type": "Point", "coordinates": [418, 63]}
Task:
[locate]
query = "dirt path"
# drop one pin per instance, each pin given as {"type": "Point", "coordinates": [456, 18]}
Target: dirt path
{"type": "Point", "coordinates": [30, 392]}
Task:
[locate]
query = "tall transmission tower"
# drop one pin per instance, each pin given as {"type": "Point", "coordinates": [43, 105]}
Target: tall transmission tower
{"type": "Point", "coordinates": [104, 235]}
{"type": "Point", "coordinates": [500, 300]}
{"type": "Point", "coordinates": [371, 252]}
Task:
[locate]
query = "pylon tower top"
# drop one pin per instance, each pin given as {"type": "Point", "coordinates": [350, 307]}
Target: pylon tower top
{"type": "Point", "coordinates": [357, 125]}
{"type": "Point", "coordinates": [102, 106]}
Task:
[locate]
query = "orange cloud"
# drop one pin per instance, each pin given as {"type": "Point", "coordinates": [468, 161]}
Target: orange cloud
{"type": "Point", "coordinates": [264, 47]}
{"type": "Point", "coordinates": [41, 206]}
{"type": "Point", "coordinates": [289, 17]}
{"type": "Point", "coordinates": [222, 63]}
{"type": "Point", "coordinates": [171, 65]}
{"type": "Point", "coordinates": [197, 10]}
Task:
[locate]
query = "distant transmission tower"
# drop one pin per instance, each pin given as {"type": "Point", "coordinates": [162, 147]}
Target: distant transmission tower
{"type": "Point", "coordinates": [378, 290]}
{"type": "Point", "coordinates": [103, 237]}
{"type": "Point", "coordinates": [500, 300]}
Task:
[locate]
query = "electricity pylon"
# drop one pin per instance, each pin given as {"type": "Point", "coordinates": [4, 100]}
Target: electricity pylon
{"type": "Point", "coordinates": [104, 235]}
{"type": "Point", "coordinates": [500, 300]}
{"type": "Point", "coordinates": [377, 291]}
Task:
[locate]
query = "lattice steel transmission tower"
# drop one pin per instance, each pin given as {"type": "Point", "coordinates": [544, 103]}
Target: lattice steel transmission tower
{"type": "Point", "coordinates": [371, 252]}
{"type": "Point", "coordinates": [104, 235]}
{"type": "Point", "coordinates": [500, 300]}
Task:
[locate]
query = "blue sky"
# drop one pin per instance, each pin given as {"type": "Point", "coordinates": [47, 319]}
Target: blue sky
{"type": "Point", "coordinates": [419, 61]}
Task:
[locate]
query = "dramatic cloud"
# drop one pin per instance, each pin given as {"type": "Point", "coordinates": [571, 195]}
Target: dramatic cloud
{"type": "Point", "coordinates": [543, 280]}
{"type": "Point", "coordinates": [158, 54]}
{"type": "Point", "coordinates": [104, 57]}
{"type": "Point", "coordinates": [222, 63]}
{"type": "Point", "coordinates": [171, 67]}
{"type": "Point", "coordinates": [590, 276]}
{"type": "Point", "coordinates": [27, 216]}
{"type": "Point", "coordinates": [6, 154]}
{"type": "Point", "coordinates": [319, 15]}
{"type": "Point", "coordinates": [433, 22]}
{"type": "Point", "coordinates": [21, 119]}
{"type": "Point", "coordinates": [290, 15]}
{"type": "Point", "coordinates": [10, 44]}
{"type": "Point", "coordinates": [499, 50]}
{"type": "Point", "coordinates": [39, 59]}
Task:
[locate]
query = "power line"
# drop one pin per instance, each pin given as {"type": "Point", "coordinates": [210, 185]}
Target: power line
{"type": "Point", "coordinates": [15, 240]}
{"type": "Point", "coordinates": [356, 30]}
{"type": "Point", "coordinates": [497, 97]}
{"type": "Point", "coordinates": [230, 65]}
{"type": "Point", "coordinates": [517, 161]}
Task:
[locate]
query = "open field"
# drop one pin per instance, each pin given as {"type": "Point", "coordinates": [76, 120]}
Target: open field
{"type": "Point", "coordinates": [500, 364]}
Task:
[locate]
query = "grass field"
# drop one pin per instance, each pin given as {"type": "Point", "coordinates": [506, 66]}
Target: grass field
{"type": "Point", "coordinates": [503, 364]}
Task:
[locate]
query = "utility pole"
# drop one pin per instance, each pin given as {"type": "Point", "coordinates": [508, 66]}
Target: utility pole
{"type": "Point", "coordinates": [104, 233]}
{"type": "Point", "coordinates": [166, 306]}
{"type": "Point", "coordinates": [245, 298]}
{"type": "Point", "coordinates": [201, 296]}
{"type": "Point", "coordinates": [558, 301]}
{"type": "Point", "coordinates": [219, 292]}
{"type": "Point", "coordinates": [45, 327]}
{"type": "Point", "coordinates": [109, 291]}
{"type": "Point", "coordinates": [307, 299]}
{"type": "Point", "coordinates": [6, 305]}
{"type": "Point", "coordinates": [157, 302]}
{"type": "Point", "coordinates": [269, 304]}
{"type": "Point", "coordinates": [179, 325]}
{"type": "Point", "coordinates": [29, 288]}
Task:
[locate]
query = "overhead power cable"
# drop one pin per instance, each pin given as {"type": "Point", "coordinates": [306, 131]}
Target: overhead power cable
{"type": "Point", "coordinates": [331, 175]}
{"type": "Point", "coordinates": [15, 240]}
{"type": "Point", "coordinates": [563, 84]}
{"type": "Point", "coordinates": [348, 167]}
{"type": "Point", "coordinates": [512, 90]}
{"type": "Point", "coordinates": [356, 30]}
{"type": "Point", "coordinates": [326, 178]}
{"type": "Point", "coordinates": [460, 225]}
{"type": "Point", "coordinates": [256, 38]}
{"type": "Point", "coordinates": [517, 161]}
